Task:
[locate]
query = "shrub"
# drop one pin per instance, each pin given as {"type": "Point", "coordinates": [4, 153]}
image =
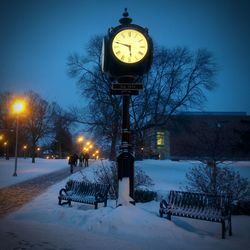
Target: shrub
{"type": "Point", "coordinates": [241, 207]}
{"type": "Point", "coordinates": [142, 180]}
{"type": "Point", "coordinates": [218, 180]}
{"type": "Point", "coordinates": [108, 174]}
{"type": "Point", "coordinates": [144, 195]}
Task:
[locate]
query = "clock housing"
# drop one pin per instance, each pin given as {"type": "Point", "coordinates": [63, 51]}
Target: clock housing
{"type": "Point", "coordinates": [127, 51]}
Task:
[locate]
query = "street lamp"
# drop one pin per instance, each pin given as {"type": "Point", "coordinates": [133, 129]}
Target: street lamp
{"type": "Point", "coordinates": [1, 138]}
{"type": "Point", "coordinates": [80, 140]}
{"type": "Point", "coordinates": [24, 151]}
{"type": "Point", "coordinates": [5, 150]}
{"type": "Point", "coordinates": [18, 107]}
{"type": "Point", "coordinates": [38, 151]}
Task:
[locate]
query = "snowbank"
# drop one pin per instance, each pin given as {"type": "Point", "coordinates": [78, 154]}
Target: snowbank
{"type": "Point", "coordinates": [43, 224]}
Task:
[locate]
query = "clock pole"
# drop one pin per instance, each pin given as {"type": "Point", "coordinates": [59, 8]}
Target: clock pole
{"type": "Point", "coordinates": [126, 57]}
{"type": "Point", "coordinates": [125, 160]}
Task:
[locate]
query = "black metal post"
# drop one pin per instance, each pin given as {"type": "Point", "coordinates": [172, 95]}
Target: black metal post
{"type": "Point", "coordinates": [16, 147]}
{"type": "Point", "coordinates": [125, 120]}
{"type": "Point", "coordinates": [125, 159]}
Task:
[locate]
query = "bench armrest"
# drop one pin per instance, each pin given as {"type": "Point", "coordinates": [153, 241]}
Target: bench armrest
{"type": "Point", "coordinates": [163, 204]}
{"type": "Point", "coordinates": [63, 190]}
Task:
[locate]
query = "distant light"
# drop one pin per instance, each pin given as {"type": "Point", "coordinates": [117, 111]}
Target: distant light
{"type": "Point", "coordinates": [80, 139]}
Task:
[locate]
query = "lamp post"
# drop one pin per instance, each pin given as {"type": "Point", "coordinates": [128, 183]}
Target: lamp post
{"type": "Point", "coordinates": [38, 151]}
{"type": "Point", "coordinates": [5, 150]}
{"type": "Point", "coordinates": [24, 151]}
{"type": "Point", "coordinates": [1, 138]}
{"type": "Point", "coordinates": [17, 108]}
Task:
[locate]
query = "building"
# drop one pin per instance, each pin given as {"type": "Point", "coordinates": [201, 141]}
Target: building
{"type": "Point", "coordinates": [195, 135]}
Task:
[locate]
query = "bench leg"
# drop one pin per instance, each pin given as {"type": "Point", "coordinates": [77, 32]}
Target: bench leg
{"type": "Point", "coordinates": [223, 229]}
{"type": "Point", "coordinates": [62, 203]}
{"type": "Point", "coordinates": [169, 216]}
{"type": "Point", "coordinates": [161, 214]}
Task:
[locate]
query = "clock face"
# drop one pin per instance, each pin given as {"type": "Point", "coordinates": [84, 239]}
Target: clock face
{"type": "Point", "coordinates": [129, 46]}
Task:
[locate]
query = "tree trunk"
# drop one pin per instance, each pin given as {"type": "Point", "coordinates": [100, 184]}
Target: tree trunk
{"type": "Point", "coordinates": [33, 154]}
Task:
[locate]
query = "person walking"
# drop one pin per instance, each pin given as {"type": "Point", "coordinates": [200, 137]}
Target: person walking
{"type": "Point", "coordinates": [71, 163]}
{"type": "Point", "coordinates": [86, 159]}
{"type": "Point", "coordinates": [81, 158]}
{"type": "Point", "coordinates": [75, 159]}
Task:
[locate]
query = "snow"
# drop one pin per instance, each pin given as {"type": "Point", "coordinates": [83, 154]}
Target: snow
{"type": "Point", "coordinates": [27, 170]}
{"type": "Point", "coordinates": [123, 192]}
{"type": "Point", "coordinates": [43, 224]}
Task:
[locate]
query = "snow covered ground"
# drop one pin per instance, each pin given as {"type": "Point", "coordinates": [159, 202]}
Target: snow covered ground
{"type": "Point", "coordinates": [42, 224]}
{"type": "Point", "coordinates": [27, 170]}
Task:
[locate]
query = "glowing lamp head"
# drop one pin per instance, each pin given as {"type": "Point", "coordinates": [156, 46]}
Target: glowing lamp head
{"type": "Point", "coordinates": [80, 139]}
{"type": "Point", "coordinates": [18, 106]}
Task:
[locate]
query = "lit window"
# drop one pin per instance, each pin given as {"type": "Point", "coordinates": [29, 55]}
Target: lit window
{"type": "Point", "coordinates": [160, 139]}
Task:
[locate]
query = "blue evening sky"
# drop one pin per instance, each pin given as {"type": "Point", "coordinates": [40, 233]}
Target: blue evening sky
{"type": "Point", "coordinates": [38, 35]}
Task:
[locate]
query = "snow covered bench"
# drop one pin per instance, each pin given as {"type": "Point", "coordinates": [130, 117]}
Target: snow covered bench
{"type": "Point", "coordinates": [89, 193]}
{"type": "Point", "coordinates": [198, 206]}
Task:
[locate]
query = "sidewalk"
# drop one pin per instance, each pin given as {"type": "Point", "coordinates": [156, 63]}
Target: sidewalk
{"type": "Point", "coordinates": [27, 170]}
{"type": "Point", "coordinates": [15, 196]}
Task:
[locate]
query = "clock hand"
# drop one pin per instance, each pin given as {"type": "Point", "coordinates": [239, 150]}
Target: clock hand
{"type": "Point", "coordinates": [127, 45]}
{"type": "Point", "coordinates": [130, 50]}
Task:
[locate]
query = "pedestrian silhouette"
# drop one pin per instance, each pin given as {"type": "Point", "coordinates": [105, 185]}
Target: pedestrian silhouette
{"type": "Point", "coordinates": [86, 159]}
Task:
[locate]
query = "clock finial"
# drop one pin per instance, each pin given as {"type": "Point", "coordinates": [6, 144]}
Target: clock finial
{"type": "Point", "coordinates": [125, 19]}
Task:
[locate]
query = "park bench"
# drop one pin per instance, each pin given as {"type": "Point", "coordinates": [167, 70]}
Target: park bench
{"type": "Point", "coordinates": [89, 193]}
{"type": "Point", "coordinates": [198, 206]}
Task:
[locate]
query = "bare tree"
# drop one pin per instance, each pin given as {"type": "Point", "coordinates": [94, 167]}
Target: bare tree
{"type": "Point", "coordinates": [177, 80]}
{"type": "Point", "coordinates": [62, 138]}
{"type": "Point", "coordinates": [39, 120]}
{"type": "Point", "coordinates": [227, 182]}
{"type": "Point", "coordinates": [7, 123]}
{"type": "Point", "coordinates": [102, 115]}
